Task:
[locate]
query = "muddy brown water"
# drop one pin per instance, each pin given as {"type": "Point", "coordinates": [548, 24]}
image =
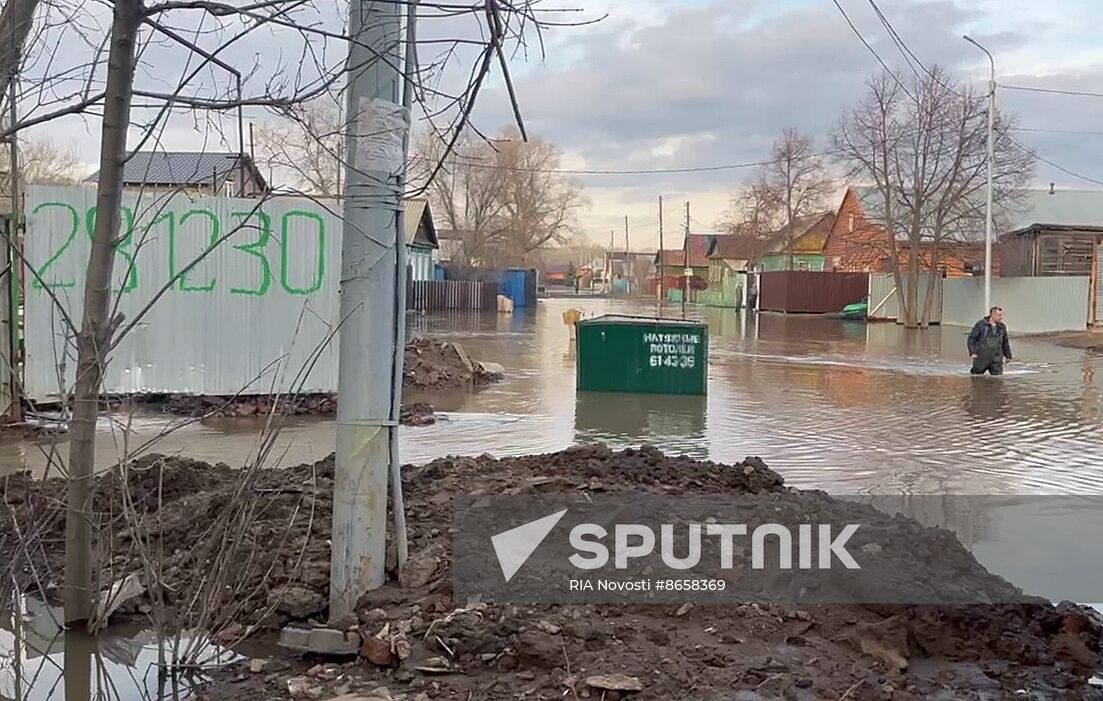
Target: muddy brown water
{"type": "Point", "coordinates": [848, 407]}
{"type": "Point", "coordinates": [843, 406]}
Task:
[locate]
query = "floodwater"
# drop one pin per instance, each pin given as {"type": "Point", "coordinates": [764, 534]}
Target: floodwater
{"type": "Point", "coordinates": [843, 406]}
{"type": "Point", "coordinates": [39, 661]}
{"type": "Point", "coordinates": [847, 407]}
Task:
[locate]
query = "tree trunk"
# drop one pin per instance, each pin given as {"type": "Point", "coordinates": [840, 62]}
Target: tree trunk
{"type": "Point", "coordinates": [914, 239]}
{"type": "Point", "coordinates": [932, 280]}
{"type": "Point", "coordinates": [16, 20]}
{"type": "Point", "coordinates": [96, 328]}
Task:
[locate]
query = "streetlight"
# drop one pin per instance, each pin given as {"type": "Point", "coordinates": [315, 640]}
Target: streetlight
{"type": "Point", "coordinates": [991, 158]}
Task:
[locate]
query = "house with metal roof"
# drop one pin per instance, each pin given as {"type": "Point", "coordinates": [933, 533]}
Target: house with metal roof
{"type": "Point", "coordinates": [199, 173]}
{"type": "Point", "coordinates": [857, 242]}
{"type": "Point", "coordinates": [807, 241]}
{"type": "Point", "coordinates": [421, 239]}
{"type": "Point", "coordinates": [1058, 233]}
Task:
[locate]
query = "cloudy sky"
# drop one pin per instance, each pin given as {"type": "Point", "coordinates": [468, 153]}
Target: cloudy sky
{"type": "Point", "coordinates": [683, 84]}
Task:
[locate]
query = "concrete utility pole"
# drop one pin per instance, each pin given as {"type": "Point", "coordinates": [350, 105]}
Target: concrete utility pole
{"type": "Point", "coordinates": [629, 269]}
{"type": "Point", "coordinates": [685, 263]}
{"type": "Point", "coordinates": [366, 426]}
{"type": "Point", "coordinates": [990, 160]}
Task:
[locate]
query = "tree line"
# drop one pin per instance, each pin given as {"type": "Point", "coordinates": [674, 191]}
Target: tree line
{"type": "Point", "coordinates": [500, 198]}
{"type": "Point", "coordinates": [918, 145]}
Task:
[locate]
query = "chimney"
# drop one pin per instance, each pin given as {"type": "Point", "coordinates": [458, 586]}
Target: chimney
{"type": "Point", "coordinates": [1051, 188]}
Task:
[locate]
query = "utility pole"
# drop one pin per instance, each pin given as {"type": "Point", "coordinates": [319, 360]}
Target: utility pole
{"type": "Point", "coordinates": [659, 267]}
{"type": "Point", "coordinates": [685, 264]}
{"type": "Point", "coordinates": [629, 269]}
{"type": "Point", "coordinates": [609, 275]}
{"type": "Point", "coordinates": [367, 431]}
{"type": "Point", "coordinates": [990, 160]}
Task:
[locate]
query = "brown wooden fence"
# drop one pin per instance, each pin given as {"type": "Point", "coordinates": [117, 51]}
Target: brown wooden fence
{"type": "Point", "coordinates": [810, 292]}
{"type": "Point", "coordinates": [443, 295]}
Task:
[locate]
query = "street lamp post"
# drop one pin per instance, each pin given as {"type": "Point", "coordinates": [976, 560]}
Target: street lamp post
{"type": "Point", "coordinates": [990, 160]}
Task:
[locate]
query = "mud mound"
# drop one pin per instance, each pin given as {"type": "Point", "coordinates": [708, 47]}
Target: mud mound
{"type": "Point", "coordinates": [434, 365]}
{"type": "Point", "coordinates": [427, 643]}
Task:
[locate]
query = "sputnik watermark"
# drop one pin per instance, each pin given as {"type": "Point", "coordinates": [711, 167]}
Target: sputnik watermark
{"type": "Point", "coordinates": [636, 541]}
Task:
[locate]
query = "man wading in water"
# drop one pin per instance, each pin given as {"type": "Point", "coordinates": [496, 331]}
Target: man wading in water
{"type": "Point", "coordinates": [988, 344]}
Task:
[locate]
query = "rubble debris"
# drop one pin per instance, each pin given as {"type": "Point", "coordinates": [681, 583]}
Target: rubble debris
{"type": "Point", "coordinates": [504, 651]}
{"type": "Point", "coordinates": [321, 641]}
{"type": "Point", "coordinates": [614, 682]}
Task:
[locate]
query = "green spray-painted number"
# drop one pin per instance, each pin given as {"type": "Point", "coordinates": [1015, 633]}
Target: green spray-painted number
{"type": "Point", "coordinates": [256, 249]}
{"type": "Point", "coordinates": [37, 280]}
{"type": "Point", "coordinates": [130, 266]}
{"type": "Point", "coordinates": [320, 272]}
{"type": "Point", "coordinates": [216, 227]}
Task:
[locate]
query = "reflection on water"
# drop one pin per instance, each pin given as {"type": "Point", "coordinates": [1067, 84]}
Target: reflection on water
{"type": "Point", "coordinates": [39, 661]}
{"type": "Point", "coordinates": [677, 423]}
{"type": "Point", "coordinates": [838, 405]}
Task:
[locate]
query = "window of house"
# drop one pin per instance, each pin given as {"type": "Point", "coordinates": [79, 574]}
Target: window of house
{"type": "Point", "coordinates": [803, 265]}
{"type": "Point", "coordinates": [850, 223]}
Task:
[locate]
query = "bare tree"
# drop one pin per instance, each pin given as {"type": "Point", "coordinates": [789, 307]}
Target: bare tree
{"type": "Point", "coordinates": [307, 146]}
{"type": "Point", "coordinates": [43, 162]}
{"type": "Point", "coordinates": [504, 197]}
{"type": "Point", "coordinates": [923, 146]}
{"type": "Point", "coordinates": [797, 180]}
{"type": "Point", "coordinates": [752, 215]}
{"type": "Point", "coordinates": [97, 326]}
{"type": "Point", "coordinates": [538, 204]}
{"type": "Point", "coordinates": [466, 193]}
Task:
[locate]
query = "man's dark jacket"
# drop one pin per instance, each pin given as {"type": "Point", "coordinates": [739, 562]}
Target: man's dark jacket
{"type": "Point", "coordinates": [979, 340]}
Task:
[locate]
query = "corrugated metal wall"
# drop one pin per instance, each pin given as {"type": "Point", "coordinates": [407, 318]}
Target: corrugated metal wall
{"type": "Point", "coordinates": [448, 295]}
{"type": "Point", "coordinates": [1030, 304]}
{"type": "Point", "coordinates": [255, 310]}
{"type": "Point", "coordinates": [810, 292]}
{"type": "Point", "coordinates": [882, 285]}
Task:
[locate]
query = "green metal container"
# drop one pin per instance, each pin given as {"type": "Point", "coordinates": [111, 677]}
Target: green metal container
{"type": "Point", "coordinates": [640, 354]}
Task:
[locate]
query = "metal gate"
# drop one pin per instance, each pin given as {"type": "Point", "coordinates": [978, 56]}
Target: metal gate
{"type": "Point", "coordinates": [884, 301]}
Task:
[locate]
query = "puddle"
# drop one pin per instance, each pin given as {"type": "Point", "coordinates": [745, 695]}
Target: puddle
{"type": "Point", "coordinates": [40, 662]}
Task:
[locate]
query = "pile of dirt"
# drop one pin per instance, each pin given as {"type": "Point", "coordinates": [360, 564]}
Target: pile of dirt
{"type": "Point", "coordinates": [421, 644]}
{"type": "Point", "coordinates": [431, 366]}
{"type": "Point", "coordinates": [435, 365]}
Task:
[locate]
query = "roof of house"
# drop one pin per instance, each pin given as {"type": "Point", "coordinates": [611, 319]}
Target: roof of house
{"type": "Point", "coordinates": [734, 247]}
{"type": "Point", "coordinates": [183, 168]}
{"type": "Point", "coordinates": [698, 246]}
{"type": "Point", "coordinates": [1053, 209]}
{"type": "Point", "coordinates": [419, 225]}
{"type": "Point", "coordinates": [1069, 209]}
{"type": "Point", "coordinates": [810, 232]}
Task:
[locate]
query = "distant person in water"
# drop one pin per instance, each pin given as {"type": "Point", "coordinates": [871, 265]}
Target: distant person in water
{"type": "Point", "coordinates": [989, 346]}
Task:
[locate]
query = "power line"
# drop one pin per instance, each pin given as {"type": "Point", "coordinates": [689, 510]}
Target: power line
{"type": "Point", "coordinates": [1029, 130]}
{"type": "Point", "coordinates": [472, 163]}
{"type": "Point", "coordinates": [1052, 91]}
{"type": "Point", "coordinates": [1058, 166]}
{"type": "Point", "coordinates": [869, 46]}
{"type": "Point", "coordinates": [901, 45]}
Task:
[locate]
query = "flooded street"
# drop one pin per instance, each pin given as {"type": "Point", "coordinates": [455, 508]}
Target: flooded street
{"type": "Point", "coordinates": [842, 406]}
{"type": "Point", "coordinates": [837, 405]}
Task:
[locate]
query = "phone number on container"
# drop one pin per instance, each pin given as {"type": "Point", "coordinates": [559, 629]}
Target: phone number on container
{"type": "Point", "coordinates": [673, 361]}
